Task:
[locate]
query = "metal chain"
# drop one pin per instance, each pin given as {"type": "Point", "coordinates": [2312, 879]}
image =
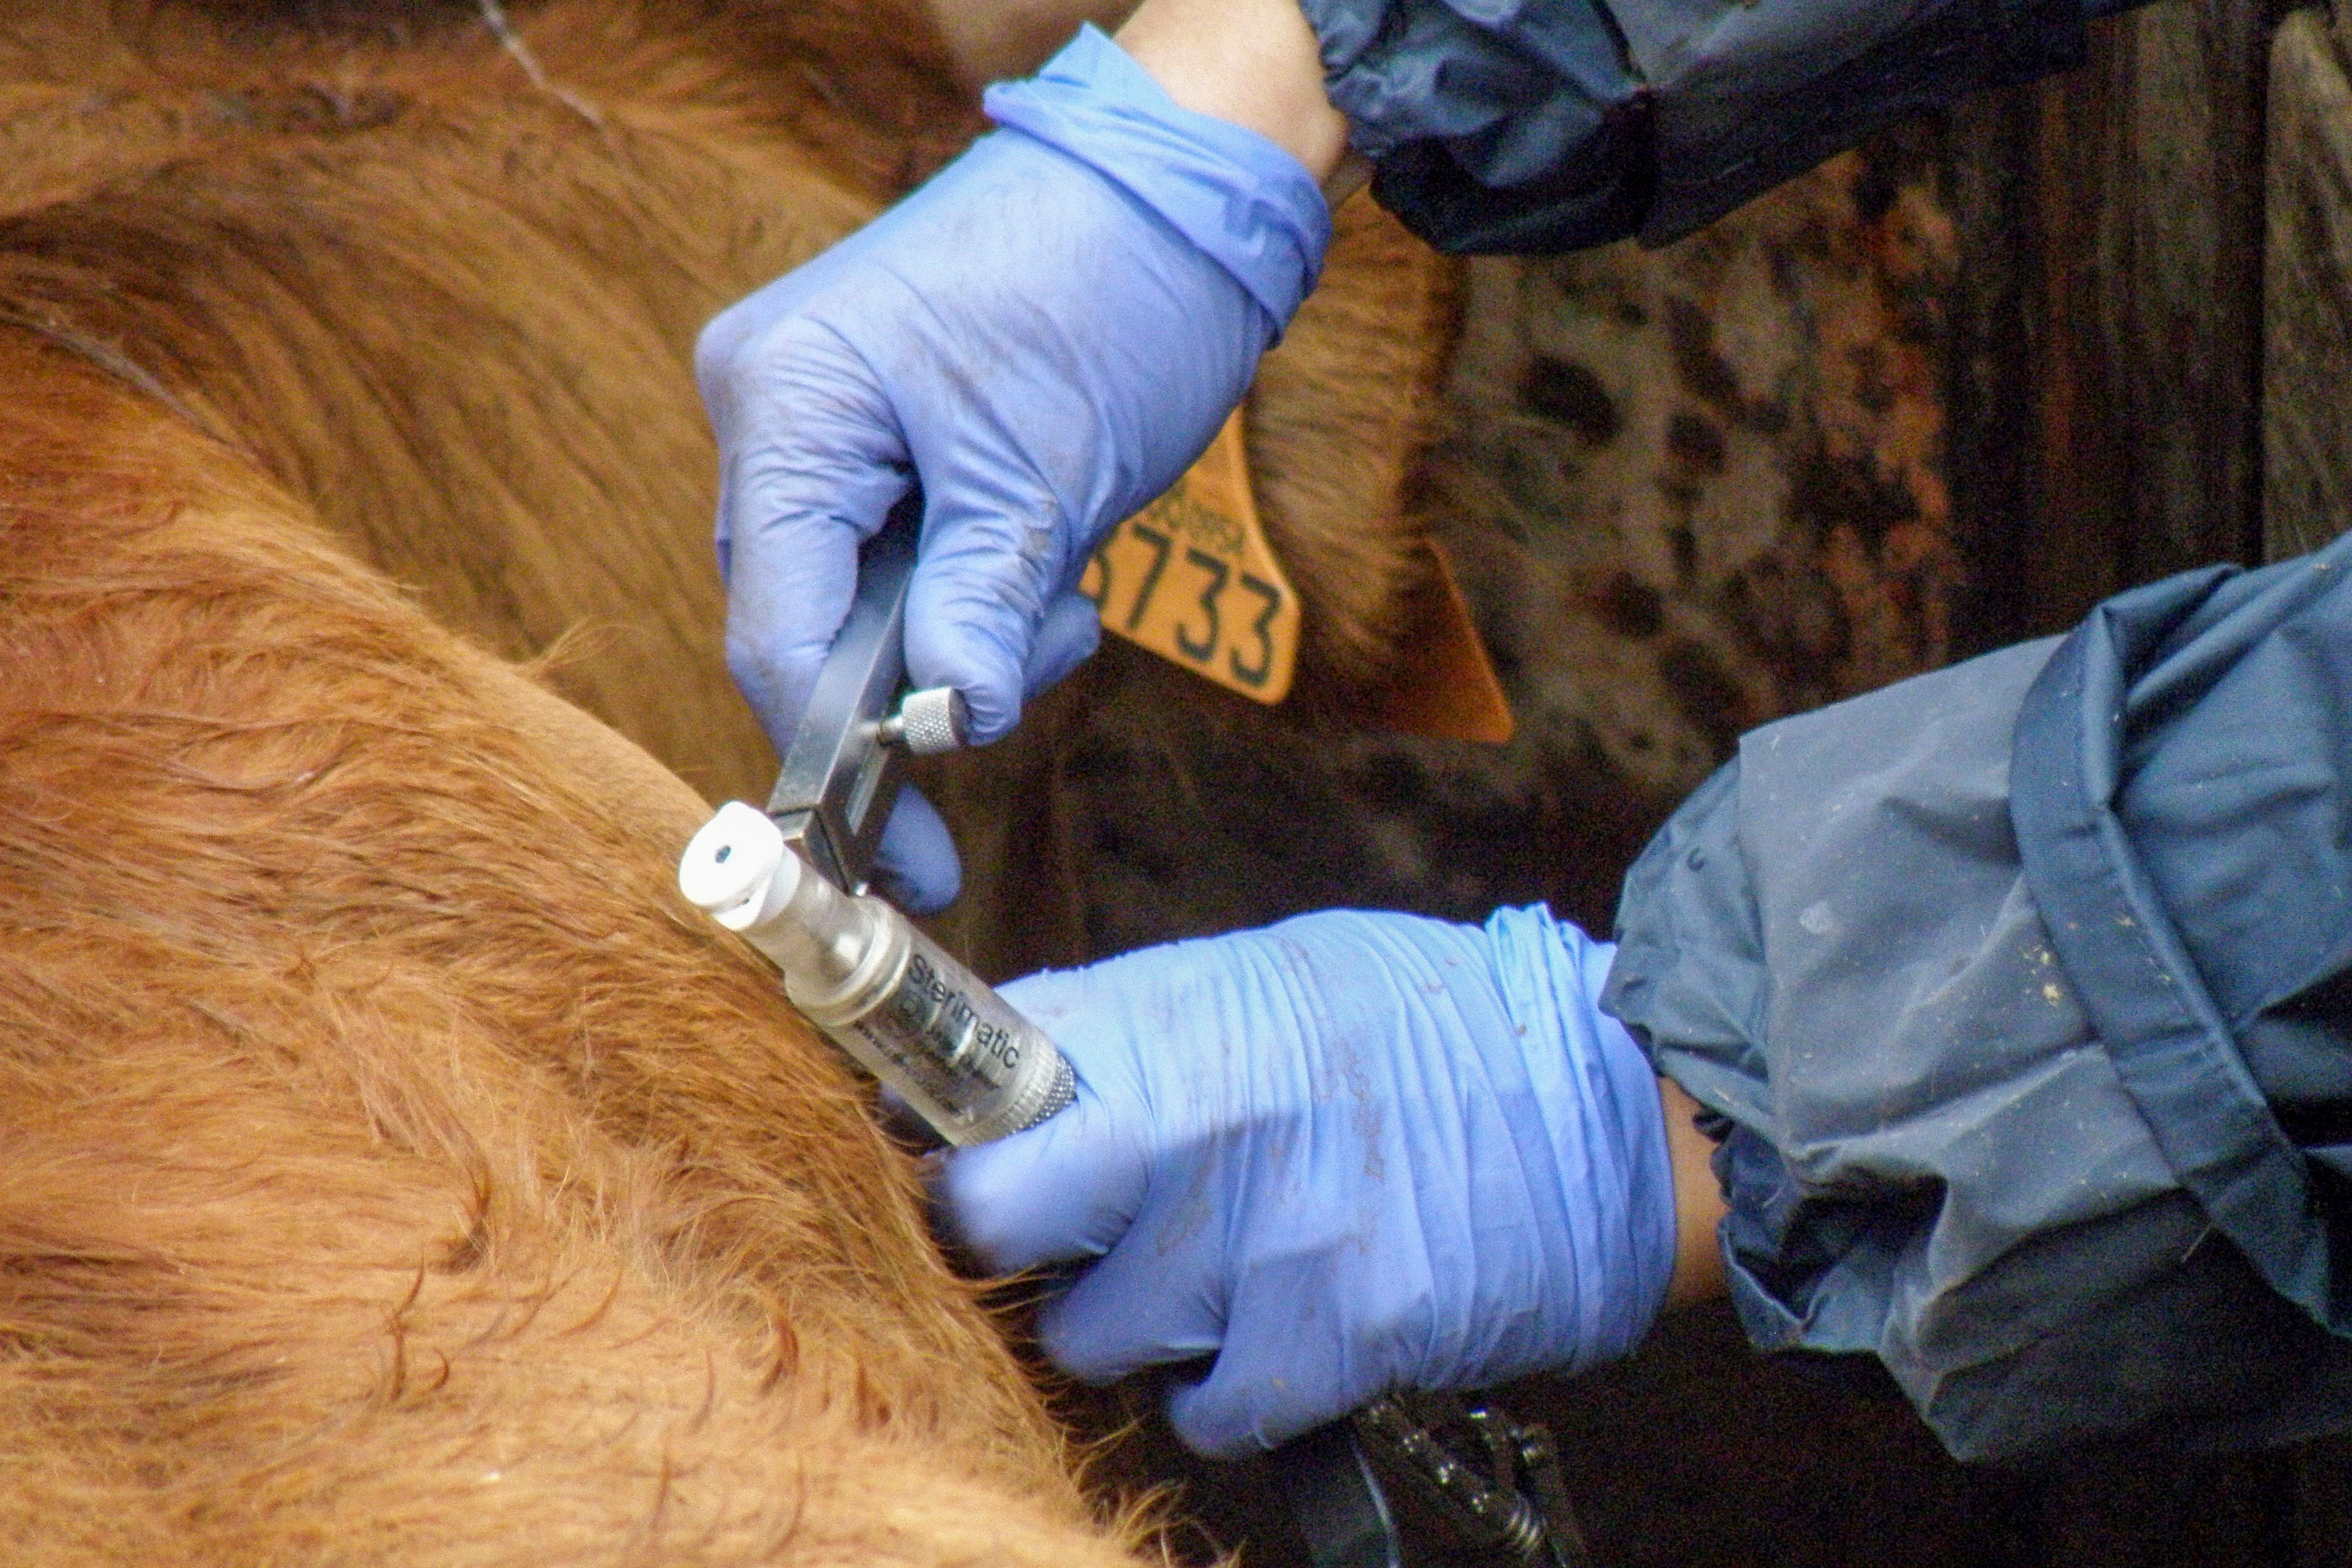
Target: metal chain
{"type": "Point", "coordinates": [1499, 1491]}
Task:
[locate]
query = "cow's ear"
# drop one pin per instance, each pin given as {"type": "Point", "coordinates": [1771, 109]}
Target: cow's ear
{"type": "Point", "coordinates": [1341, 417]}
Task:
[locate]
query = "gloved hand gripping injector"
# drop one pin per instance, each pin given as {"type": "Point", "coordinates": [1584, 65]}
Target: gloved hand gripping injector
{"type": "Point", "coordinates": [791, 880]}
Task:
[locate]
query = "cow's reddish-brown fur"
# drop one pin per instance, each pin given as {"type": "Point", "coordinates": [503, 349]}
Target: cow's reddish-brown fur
{"type": "Point", "coordinates": [450, 308]}
{"type": "Point", "coordinates": [395, 1170]}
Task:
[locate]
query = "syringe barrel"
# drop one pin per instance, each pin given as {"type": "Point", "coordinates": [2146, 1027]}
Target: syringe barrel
{"type": "Point", "coordinates": [890, 997]}
{"type": "Point", "coordinates": [970, 1065]}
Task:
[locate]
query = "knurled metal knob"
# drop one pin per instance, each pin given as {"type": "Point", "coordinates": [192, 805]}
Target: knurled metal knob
{"type": "Point", "coordinates": [929, 721]}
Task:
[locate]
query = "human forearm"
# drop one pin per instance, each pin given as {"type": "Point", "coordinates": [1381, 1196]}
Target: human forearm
{"type": "Point", "coordinates": [1255, 63]}
{"type": "Point", "coordinates": [1699, 1201]}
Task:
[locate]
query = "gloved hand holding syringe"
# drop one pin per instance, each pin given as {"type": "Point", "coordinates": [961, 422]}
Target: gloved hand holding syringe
{"type": "Point", "coordinates": [1327, 1088]}
{"type": "Point", "coordinates": [1364, 1154]}
{"type": "Point", "coordinates": [1331, 1087]}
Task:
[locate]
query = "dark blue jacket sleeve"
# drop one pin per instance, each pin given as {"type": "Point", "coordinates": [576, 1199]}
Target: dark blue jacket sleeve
{"type": "Point", "coordinates": [2023, 994]}
{"type": "Point", "coordinates": [1546, 125]}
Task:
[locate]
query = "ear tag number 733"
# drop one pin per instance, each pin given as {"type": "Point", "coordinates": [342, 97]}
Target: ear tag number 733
{"type": "Point", "coordinates": [1191, 578]}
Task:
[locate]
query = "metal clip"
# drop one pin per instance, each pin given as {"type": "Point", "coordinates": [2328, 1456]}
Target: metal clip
{"type": "Point", "coordinates": [1416, 1480]}
{"type": "Point", "coordinates": [843, 767]}
{"type": "Point", "coordinates": [1491, 1484]}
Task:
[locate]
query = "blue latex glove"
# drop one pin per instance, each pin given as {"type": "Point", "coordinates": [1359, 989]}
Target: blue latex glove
{"type": "Point", "coordinates": [1044, 336]}
{"type": "Point", "coordinates": [1347, 1153]}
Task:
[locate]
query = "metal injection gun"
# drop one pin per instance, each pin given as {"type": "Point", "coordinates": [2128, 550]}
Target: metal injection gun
{"type": "Point", "coordinates": [792, 879]}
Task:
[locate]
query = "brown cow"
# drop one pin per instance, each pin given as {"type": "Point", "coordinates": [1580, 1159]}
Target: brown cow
{"type": "Point", "coordinates": [394, 1169]}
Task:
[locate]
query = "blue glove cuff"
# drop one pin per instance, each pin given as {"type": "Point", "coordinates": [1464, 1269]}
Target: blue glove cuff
{"type": "Point", "coordinates": [1608, 1130]}
{"type": "Point", "coordinates": [1244, 202]}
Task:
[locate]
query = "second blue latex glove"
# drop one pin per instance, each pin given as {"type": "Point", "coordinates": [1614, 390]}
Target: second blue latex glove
{"type": "Point", "coordinates": [1043, 336]}
{"type": "Point", "coordinates": [1347, 1153]}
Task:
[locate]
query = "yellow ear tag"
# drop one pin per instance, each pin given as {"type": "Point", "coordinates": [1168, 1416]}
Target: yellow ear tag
{"type": "Point", "coordinates": [1191, 578]}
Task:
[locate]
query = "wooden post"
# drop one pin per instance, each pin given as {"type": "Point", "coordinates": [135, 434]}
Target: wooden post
{"type": "Point", "coordinates": [2307, 296]}
{"type": "Point", "coordinates": [2107, 333]}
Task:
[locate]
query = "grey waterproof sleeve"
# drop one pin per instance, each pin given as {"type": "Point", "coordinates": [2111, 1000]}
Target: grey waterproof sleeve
{"type": "Point", "coordinates": [2021, 993]}
{"type": "Point", "coordinates": [1543, 125]}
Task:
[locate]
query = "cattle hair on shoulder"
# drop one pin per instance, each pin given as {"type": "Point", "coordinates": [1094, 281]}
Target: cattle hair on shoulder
{"type": "Point", "coordinates": [450, 304]}
{"type": "Point", "coordinates": [391, 1168]}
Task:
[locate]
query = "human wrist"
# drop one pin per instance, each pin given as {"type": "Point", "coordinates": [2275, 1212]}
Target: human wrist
{"type": "Point", "coordinates": [1699, 1207]}
{"type": "Point", "coordinates": [1243, 200]}
{"type": "Point", "coordinates": [1255, 63]}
